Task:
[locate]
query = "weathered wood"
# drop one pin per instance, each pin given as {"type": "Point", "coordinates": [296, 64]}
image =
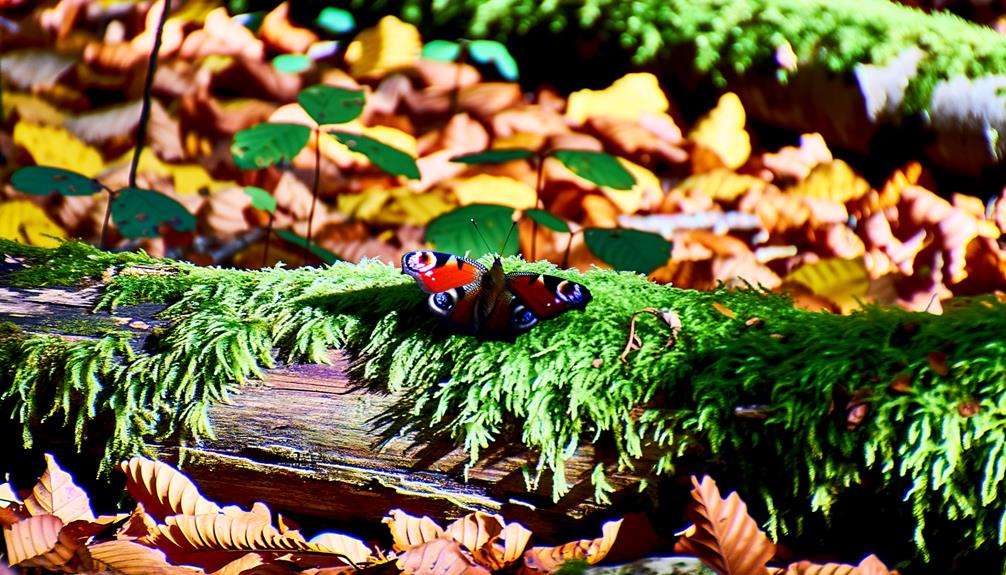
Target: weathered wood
{"type": "Point", "coordinates": [307, 440]}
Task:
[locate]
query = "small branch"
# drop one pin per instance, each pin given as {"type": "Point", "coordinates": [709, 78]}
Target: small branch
{"type": "Point", "coordinates": [314, 195]}
{"type": "Point", "coordinates": [141, 129]}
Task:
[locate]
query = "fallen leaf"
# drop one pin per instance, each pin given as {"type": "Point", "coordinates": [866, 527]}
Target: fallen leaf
{"type": "Point", "coordinates": [722, 132]}
{"type": "Point", "coordinates": [834, 181]}
{"type": "Point", "coordinates": [282, 35]}
{"type": "Point", "coordinates": [390, 45]}
{"type": "Point", "coordinates": [439, 557]}
{"type": "Point", "coordinates": [796, 162]}
{"type": "Point", "coordinates": [627, 98]}
{"type": "Point", "coordinates": [408, 531]}
{"type": "Point", "coordinates": [23, 221]}
{"type": "Point", "coordinates": [549, 559]}
{"type": "Point", "coordinates": [486, 189]}
{"type": "Point", "coordinates": [57, 148]}
{"type": "Point", "coordinates": [721, 185]}
{"type": "Point", "coordinates": [222, 36]}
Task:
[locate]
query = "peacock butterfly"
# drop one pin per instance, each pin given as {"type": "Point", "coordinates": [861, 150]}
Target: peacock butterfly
{"type": "Point", "coordinates": [489, 302]}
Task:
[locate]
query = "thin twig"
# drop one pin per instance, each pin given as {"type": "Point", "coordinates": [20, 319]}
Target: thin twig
{"type": "Point", "coordinates": [537, 202]}
{"type": "Point", "coordinates": [314, 196]}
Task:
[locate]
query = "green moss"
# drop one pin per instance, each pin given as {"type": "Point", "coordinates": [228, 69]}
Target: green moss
{"type": "Point", "coordinates": [937, 443]}
{"type": "Point", "coordinates": [735, 37]}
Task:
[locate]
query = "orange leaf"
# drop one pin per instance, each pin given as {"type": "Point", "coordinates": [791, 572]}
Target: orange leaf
{"type": "Point", "coordinates": [721, 131]}
{"type": "Point", "coordinates": [439, 557]}
{"type": "Point", "coordinates": [36, 542]}
{"type": "Point", "coordinates": [724, 536]}
{"type": "Point", "coordinates": [808, 568]}
{"type": "Point", "coordinates": [354, 549]}
{"type": "Point", "coordinates": [131, 558]}
{"type": "Point", "coordinates": [834, 180]}
{"type": "Point", "coordinates": [549, 559]}
{"type": "Point", "coordinates": [871, 565]}
{"type": "Point", "coordinates": [408, 531]}
{"type": "Point", "coordinates": [280, 33]}
{"type": "Point", "coordinates": [57, 494]}
{"type": "Point", "coordinates": [493, 543]}
{"type": "Point", "coordinates": [163, 490]}
{"type": "Point", "coordinates": [724, 310]}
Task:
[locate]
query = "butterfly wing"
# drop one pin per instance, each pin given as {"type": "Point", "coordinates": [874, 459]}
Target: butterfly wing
{"type": "Point", "coordinates": [438, 272]}
{"type": "Point", "coordinates": [454, 284]}
{"type": "Point", "coordinates": [539, 297]}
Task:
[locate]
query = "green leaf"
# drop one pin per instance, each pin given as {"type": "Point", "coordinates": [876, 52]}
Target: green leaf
{"type": "Point", "coordinates": [392, 160]}
{"type": "Point", "coordinates": [331, 105]}
{"type": "Point", "coordinates": [494, 156]}
{"type": "Point", "coordinates": [598, 167]}
{"type": "Point", "coordinates": [491, 51]}
{"type": "Point", "coordinates": [323, 254]}
{"type": "Point", "coordinates": [453, 232]}
{"type": "Point", "coordinates": [441, 50]}
{"type": "Point", "coordinates": [292, 63]}
{"type": "Point", "coordinates": [266, 144]}
{"type": "Point", "coordinates": [139, 213]}
{"type": "Point", "coordinates": [335, 20]}
{"type": "Point", "coordinates": [43, 180]}
{"type": "Point", "coordinates": [628, 250]}
{"type": "Point", "coordinates": [261, 199]}
{"type": "Point", "coordinates": [548, 220]}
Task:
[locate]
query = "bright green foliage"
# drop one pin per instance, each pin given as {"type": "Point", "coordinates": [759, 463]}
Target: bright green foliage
{"type": "Point", "coordinates": [547, 219]}
{"type": "Point", "coordinates": [598, 167]}
{"type": "Point", "coordinates": [630, 250]}
{"type": "Point", "coordinates": [331, 105]}
{"type": "Point", "coordinates": [441, 50]}
{"type": "Point", "coordinates": [269, 143]}
{"type": "Point", "coordinates": [139, 213]}
{"type": "Point", "coordinates": [391, 160]}
{"type": "Point", "coordinates": [497, 156]}
{"type": "Point", "coordinates": [335, 20]}
{"type": "Point", "coordinates": [261, 199]}
{"type": "Point", "coordinates": [728, 38]}
{"type": "Point", "coordinates": [495, 53]}
{"type": "Point", "coordinates": [455, 233]}
{"type": "Point", "coordinates": [43, 180]}
{"type": "Point", "coordinates": [937, 442]}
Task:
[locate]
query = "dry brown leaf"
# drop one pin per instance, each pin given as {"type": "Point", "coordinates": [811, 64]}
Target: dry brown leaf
{"type": "Point", "coordinates": [355, 550]}
{"type": "Point", "coordinates": [248, 564]}
{"type": "Point", "coordinates": [171, 35]}
{"type": "Point", "coordinates": [386, 47]}
{"type": "Point", "coordinates": [439, 557]}
{"type": "Point", "coordinates": [628, 97]}
{"type": "Point", "coordinates": [721, 185]}
{"type": "Point", "coordinates": [723, 535]}
{"type": "Point", "coordinates": [131, 558]}
{"type": "Point", "coordinates": [528, 119]}
{"type": "Point", "coordinates": [809, 568]}
{"type": "Point", "coordinates": [408, 531]}
{"type": "Point", "coordinates": [222, 36]}
{"type": "Point", "coordinates": [446, 75]}
{"type": "Point", "coordinates": [834, 181]}
{"type": "Point", "coordinates": [57, 494]}
{"type": "Point", "coordinates": [630, 139]}
{"type": "Point", "coordinates": [796, 162]}
{"type": "Point", "coordinates": [163, 490]}
{"type": "Point", "coordinates": [485, 189]}
{"type": "Point", "coordinates": [549, 559]}
{"type": "Point", "coordinates": [36, 542]}
{"type": "Point", "coordinates": [494, 543]}
{"type": "Point", "coordinates": [282, 35]}
{"type": "Point", "coordinates": [487, 99]}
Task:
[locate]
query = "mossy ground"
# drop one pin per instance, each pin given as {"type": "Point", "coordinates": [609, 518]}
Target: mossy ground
{"type": "Point", "coordinates": [932, 388]}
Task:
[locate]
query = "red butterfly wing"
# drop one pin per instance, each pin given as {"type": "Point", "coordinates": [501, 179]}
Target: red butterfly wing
{"type": "Point", "coordinates": [438, 272]}
{"type": "Point", "coordinates": [546, 296]}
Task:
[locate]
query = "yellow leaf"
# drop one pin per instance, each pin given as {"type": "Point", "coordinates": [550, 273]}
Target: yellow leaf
{"type": "Point", "coordinates": [487, 189]}
{"type": "Point", "coordinates": [842, 281]}
{"type": "Point", "coordinates": [628, 97]}
{"type": "Point", "coordinates": [389, 45]}
{"type": "Point", "coordinates": [722, 185]}
{"type": "Point", "coordinates": [525, 140]}
{"type": "Point", "coordinates": [722, 131]}
{"type": "Point", "coordinates": [57, 148]}
{"type": "Point", "coordinates": [23, 221]}
{"type": "Point", "coordinates": [393, 137]}
{"type": "Point", "coordinates": [188, 178]}
{"type": "Point", "coordinates": [32, 109]}
{"type": "Point", "coordinates": [394, 206]}
{"type": "Point", "coordinates": [832, 181]}
{"type": "Point", "coordinates": [631, 200]}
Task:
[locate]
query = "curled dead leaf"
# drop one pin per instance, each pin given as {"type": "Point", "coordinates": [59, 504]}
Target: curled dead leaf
{"type": "Point", "coordinates": [549, 559]}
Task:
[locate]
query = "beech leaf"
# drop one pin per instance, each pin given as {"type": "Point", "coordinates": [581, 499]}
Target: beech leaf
{"type": "Point", "coordinates": [392, 160]}
{"type": "Point", "coordinates": [163, 490]}
{"type": "Point", "coordinates": [43, 180]}
{"type": "Point", "coordinates": [33, 542]}
{"type": "Point", "coordinates": [550, 559]}
{"type": "Point", "coordinates": [331, 105]}
{"type": "Point", "coordinates": [269, 143]}
{"type": "Point", "coordinates": [132, 558]}
{"type": "Point", "coordinates": [408, 531]}
{"type": "Point", "coordinates": [724, 536]}
{"type": "Point", "coordinates": [453, 232]}
{"type": "Point", "coordinates": [139, 213]}
{"type": "Point", "coordinates": [261, 199]}
{"type": "Point", "coordinates": [548, 220]}
{"type": "Point", "coordinates": [439, 557]}
{"type": "Point", "coordinates": [499, 156]}
{"type": "Point", "coordinates": [628, 250]}
{"type": "Point", "coordinates": [57, 494]}
{"type": "Point", "coordinates": [598, 167]}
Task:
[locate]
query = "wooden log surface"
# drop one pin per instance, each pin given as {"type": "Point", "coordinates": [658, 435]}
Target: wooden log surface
{"type": "Point", "coordinates": [307, 440]}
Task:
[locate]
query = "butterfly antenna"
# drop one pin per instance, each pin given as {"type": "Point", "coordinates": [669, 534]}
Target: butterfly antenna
{"type": "Point", "coordinates": [513, 226]}
{"type": "Point", "coordinates": [489, 250]}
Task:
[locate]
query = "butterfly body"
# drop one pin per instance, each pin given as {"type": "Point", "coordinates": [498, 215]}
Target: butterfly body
{"type": "Point", "coordinates": [470, 297]}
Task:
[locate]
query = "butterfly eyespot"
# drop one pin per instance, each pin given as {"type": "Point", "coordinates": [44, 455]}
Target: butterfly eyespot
{"type": "Point", "coordinates": [421, 261]}
{"type": "Point", "coordinates": [569, 291]}
{"type": "Point", "coordinates": [442, 300]}
{"type": "Point", "coordinates": [523, 318]}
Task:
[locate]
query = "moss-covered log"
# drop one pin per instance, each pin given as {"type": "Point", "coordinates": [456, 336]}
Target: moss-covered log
{"type": "Point", "coordinates": [887, 423]}
{"type": "Point", "coordinates": [870, 76]}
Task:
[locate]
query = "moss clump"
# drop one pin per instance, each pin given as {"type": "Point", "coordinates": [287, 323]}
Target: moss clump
{"type": "Point", "coordinates": [730, 37]}
{"type": "Point", "coordinates": [905, 406]}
